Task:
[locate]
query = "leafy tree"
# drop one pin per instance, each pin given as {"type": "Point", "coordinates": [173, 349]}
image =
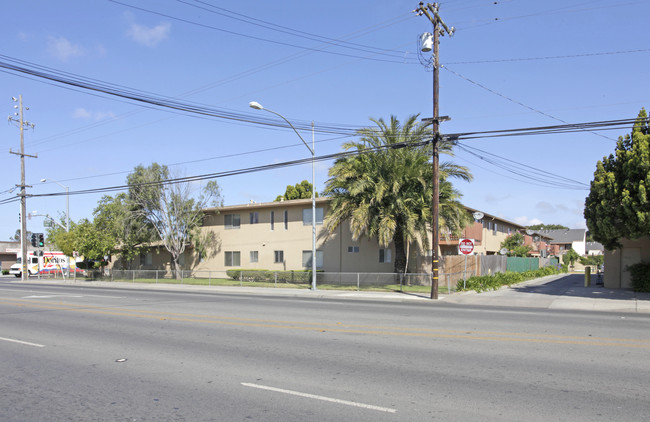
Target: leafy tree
{"type": "Point", "coordinates": [172, 208]}
{"type": "Point", "coordinates": [385, 190]}
{"type": "Point", "coordinates": [547, 227]}
{"type": "Point", "coordinates": [515, 245]}
{"type": "Point", "coordinates": [300, 190]}
{"type": "Point", "coordinates": [131, 233]}
{"type": "Point", "coordinates": [592, 260]}
{"type": "Point", "coordinates": [16, 237]}
{"type": "Point", "coordinates": [570, 257]}
{"type": "Point", "coordinates": [62, 240]}
{"type": "Point", "coordinates": [93, 244]}
{"type": "Point", "coordinates": [617, 206]}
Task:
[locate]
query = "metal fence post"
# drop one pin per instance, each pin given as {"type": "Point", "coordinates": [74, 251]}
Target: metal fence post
{"type": "Point", "coordinates": [358, 285]}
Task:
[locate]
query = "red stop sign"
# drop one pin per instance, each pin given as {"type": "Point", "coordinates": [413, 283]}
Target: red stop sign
{"type": "Point", "coordinates": [466, 246]}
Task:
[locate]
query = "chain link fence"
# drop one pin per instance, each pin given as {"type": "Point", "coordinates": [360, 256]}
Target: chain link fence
{"type": "Point", "coordinates": [420, 282]}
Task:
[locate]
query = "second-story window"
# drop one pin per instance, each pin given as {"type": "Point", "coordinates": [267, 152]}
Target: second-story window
{"type": "Point", "coordinates": [232, 221]}
{"type": "Point", "coordinates": [306, 216]}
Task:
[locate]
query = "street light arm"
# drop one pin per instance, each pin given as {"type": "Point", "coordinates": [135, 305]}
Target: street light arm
{"type": "Point", "coordinates": [257, 106]}
{"type": "Point", "coordinates": [67, 201]}
{"type": "Point", "coordinates": [53, 220]}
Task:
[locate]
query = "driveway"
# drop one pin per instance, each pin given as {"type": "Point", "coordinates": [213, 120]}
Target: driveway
{"type": "Point", "coordinates": [559, 292]}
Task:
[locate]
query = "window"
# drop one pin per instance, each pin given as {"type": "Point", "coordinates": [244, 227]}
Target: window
{"type": "Point", "coordinates": [254, 256]}
{"type": "Point", "coordinates": [272, 220]}
{"type": "Point", "coordinates": [353, 249]}
{"type": "Point", "coordinates": [232, 258]}
{"type": "Point", "coordinates": [146, 258]}
{"type": "Point", "coordinates": [255, 217]}
{"type": "Point", "coordinates": [384, 255]}
{"type": "Point", "coordinates": [306, 216]}
{"type": "Point", "coordinates": [279, 257]}
{"type": "Point", "coordinates": [306, 259]}
{"type": "Point", "coordinates": [232, 221]}
{"type": "Point", "coordinates": [286, 219]}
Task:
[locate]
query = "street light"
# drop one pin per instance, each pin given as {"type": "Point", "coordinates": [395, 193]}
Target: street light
{"type": "Point", "coordinates": [67, 202]}
{"type": "Point", "coordinates": [258, 106]}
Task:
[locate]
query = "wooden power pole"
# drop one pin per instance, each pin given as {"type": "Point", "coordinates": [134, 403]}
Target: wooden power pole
{"type": "Point", "coordinates": [439, 28]}
{"type": "Point", "coordinates": [23, 195]}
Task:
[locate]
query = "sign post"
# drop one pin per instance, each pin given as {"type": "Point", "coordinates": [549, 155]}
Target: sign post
{"type": "Point", "coordinates": [466, 247]}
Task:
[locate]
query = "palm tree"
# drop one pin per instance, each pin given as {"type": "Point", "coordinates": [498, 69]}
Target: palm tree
{"type": "Point", "coordinates": [385, 190]}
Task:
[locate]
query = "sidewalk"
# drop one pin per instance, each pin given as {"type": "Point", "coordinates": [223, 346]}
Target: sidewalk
{"type": "Point", "coordinates": [564, 291]}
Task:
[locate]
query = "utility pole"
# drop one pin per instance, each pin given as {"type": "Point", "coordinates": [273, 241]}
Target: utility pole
{"type": "Point", "coordinates": [439, 28]}
{"type": "Point", "coordinates": [23, 195]}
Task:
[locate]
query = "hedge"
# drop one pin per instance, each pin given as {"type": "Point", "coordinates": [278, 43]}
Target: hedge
{"type": "Point", "coordinates": [270, 276]}
{"type": "Point", "coordinates": [496, 281]}
{"type": "Point", "coordinates": [640, 273]}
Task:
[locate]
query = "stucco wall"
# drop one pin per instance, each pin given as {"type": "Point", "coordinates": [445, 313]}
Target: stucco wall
{"type": "Point", "coordinates": [616, 261]}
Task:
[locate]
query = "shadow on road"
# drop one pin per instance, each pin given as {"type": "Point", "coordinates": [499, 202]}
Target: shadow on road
{"type": "Point", "coordinates": [573, 285]}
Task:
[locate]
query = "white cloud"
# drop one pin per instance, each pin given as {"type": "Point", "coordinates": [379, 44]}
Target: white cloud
{"type": "Point", "coordinates": [149, 36]}
{"type": "Point", "coordinates": [82, 113]}
{"type": "Point", "coordinates": [63, 49]}
{"type": "Point", "coordinates": [545, 207]}
{"type": "Point", "coordinates": [491, 199]}
{"type": "Point", "coordinates": [527, 221]}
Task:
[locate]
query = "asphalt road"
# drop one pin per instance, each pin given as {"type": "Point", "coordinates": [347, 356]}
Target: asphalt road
{"type": "Point", "coordinates": [75, 353]}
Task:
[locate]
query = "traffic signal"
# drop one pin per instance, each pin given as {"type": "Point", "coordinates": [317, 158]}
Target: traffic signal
{"type": "Point", "coordinates": [34, 239]}
{"type": "Point", "coordinates": [41, 240]}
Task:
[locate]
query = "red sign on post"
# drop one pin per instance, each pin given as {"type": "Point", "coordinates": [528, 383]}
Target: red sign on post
{"type": "Point", "coordinates": [466, 246]}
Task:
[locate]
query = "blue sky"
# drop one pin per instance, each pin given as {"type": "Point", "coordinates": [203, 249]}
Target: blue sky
{"type": "Point", "coordinates": [510, 64]}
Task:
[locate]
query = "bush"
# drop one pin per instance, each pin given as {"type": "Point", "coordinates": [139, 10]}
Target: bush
{"type": "Point", "coordinates": [640, 273]}
{"type": "Point", "coordinates": [493, 282]}
{"type": "Point", "coordinates": [270, 276]}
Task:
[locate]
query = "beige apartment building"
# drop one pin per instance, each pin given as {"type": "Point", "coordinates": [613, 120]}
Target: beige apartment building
{"type": "Point", "coordinates": [277, 236]}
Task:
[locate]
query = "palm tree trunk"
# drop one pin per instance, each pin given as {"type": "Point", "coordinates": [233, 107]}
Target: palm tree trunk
{"type": "Point", "coordinates": [400, 255]}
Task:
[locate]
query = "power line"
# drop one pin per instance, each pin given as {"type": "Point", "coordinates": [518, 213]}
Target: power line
{"type": "Point", "coordinates": [235, 172]}
{"type": "Point", "coordinates": [147, 99]}
{"type": "Point", "coordinates": [266, 39]}
{"type": "Point", "coordinates": [567, 56]}
{"type": "Point", "coordinates": [286, 30]}
{"type": "Point", "coordinates": [527, 172]}
{"type": "Point", "coordinates": [514, 101]}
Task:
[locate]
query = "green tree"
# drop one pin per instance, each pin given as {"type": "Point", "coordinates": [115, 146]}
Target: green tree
{"type": "Point", "coordinates": [91, 243]}
{"type": "Point", "coordinates": [515, 245]}
{"type": "Point", "coordinates": [16, 236]}
{"type": "Point", "coordinates": [173, 208]}
{"type": "Point", "coordinates": [592, 260]}
{"type": "Point", "coordinates": [617, 206]}
{"type": "Point", "coordinates": [385, 190]}
{"type": "Point", "coordinates": [64, 241]}
{"type": "Point", "coordinates": [300, 190]}
{"type": "Point", "coordinates": [130, 231]}
{"type": "Point", "coordinates": [547, 227]}
{"type": "Point", "coordinates": [570, 257]}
